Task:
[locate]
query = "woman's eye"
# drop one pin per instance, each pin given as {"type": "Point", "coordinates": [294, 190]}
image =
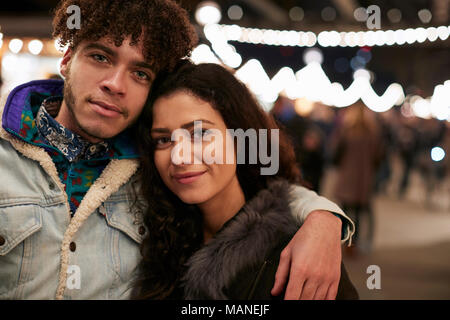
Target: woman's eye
{"type": "Point", "coordinates": [161, 142]}
{"type": "Point", "coordinates": [199, 134]}
{"type": "Point", "coordinates": [142, 75]}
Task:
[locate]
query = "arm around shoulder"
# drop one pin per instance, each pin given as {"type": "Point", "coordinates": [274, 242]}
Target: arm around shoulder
{"type": "Point", "coordinates": [304, 202]}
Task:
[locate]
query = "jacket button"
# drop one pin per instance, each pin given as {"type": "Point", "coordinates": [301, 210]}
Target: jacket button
{"type": "Point", "coordinates": [51, 185]}
{"type": "Point", "coordinates": [141, 230]}
{"type": "Point", "coordinates": [2, 241]}
{"type": "Point", "coordinates": [72, 246]}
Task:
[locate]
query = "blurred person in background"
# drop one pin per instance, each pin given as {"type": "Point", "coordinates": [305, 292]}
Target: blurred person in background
{"type": "Point", "coordinates": [307, 138]}
{"type": "Point", "coordinates": [407, 145]}
{"type": "Point", "coordinates": [283, 110]}
{"type": "Point", "coordinates": [384, 172]}
{"type": "Point", "coordinates": [431, 134]}
{"type": "Point", "coordinates": [357, 155]}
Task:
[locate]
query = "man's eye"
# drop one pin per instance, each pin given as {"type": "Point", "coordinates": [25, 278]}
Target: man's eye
{"type": "Point", "coordinates": [99, 58]}
{"type": "Point", "coordinates": [142, 75]}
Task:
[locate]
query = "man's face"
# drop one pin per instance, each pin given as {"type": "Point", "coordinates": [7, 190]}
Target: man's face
{"type": "Point", "coordinates": [106, 88]}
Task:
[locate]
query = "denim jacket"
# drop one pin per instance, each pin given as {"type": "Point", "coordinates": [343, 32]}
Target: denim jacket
{"type": "Point", "coordinates": [45, 254]}
{"type": "Point", "coordinates": [93, 255]}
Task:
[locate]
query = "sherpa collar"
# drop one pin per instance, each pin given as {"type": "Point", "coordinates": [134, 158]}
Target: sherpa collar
{"type": "Point", "coordinates": [244, 241]}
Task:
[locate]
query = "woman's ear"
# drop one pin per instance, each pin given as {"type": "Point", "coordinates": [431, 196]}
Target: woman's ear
{"type": "Point", "coordinates": [65, 62]}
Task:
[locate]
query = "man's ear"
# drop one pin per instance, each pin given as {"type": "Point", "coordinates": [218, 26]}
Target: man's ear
{"type": "Point", "coordinates": [65, 62]}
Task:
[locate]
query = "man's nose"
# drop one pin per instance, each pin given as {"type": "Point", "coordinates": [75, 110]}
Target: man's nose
{"type": "Point", "coordinates": [115, 82]}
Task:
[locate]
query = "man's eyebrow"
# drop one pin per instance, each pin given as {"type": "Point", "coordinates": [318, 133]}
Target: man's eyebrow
{"type": "Point", "coordinates": [184, 126]}
{"type": "Point", "coordinates": [140, 64]}
{"type": "Point", "coordinates": [145, 65]}
{"type": "Point", "coordinates": [101, 47]}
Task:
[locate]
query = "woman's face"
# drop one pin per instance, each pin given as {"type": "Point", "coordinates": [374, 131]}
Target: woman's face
{"type": "Point", "coordinates": [189, 165]}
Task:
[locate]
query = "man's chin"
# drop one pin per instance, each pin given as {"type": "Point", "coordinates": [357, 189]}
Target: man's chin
{"type": "Point", "coordinates": [96, 135]}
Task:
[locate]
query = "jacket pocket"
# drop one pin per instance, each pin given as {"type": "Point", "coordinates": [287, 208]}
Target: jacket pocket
{"type": "Point", "coordinates": [126, 233]}
{"type": "Point", "coordinates": [124, 216]}
{"type": "Point", "coordinates": [17, 225]}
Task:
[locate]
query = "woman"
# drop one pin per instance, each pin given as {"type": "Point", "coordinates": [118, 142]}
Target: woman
{"type": "Point", "coordinates": [217, 228]}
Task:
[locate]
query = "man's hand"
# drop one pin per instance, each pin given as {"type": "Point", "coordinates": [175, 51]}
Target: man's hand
{"type": "Point", "coordinates": [312, 260]}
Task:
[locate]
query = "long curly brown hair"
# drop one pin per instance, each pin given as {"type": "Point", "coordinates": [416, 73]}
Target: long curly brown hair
{"type": "Point", "coordinates": [163, 26]}
{"type": "Point", "coordinates": [175, 229]}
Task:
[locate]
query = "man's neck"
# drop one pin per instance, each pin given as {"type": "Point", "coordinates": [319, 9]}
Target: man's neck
{"type": "Point", "coordinates": [66, 119]}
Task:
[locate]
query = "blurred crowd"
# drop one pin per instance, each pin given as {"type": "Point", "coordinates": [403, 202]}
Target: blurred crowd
{"type": "Point", "coordinates": [360, 145]}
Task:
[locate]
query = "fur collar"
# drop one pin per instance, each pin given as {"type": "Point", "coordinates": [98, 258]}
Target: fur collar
{"type": "Point", "coordinates": [244, 241]}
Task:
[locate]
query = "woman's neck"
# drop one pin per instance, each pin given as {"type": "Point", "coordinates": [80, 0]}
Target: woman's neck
{"type": "Point", "coordinates": [222, 207]}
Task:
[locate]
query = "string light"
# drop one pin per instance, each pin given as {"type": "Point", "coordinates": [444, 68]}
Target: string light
{"type": "Point", "coordinates": [203, 54]}
{"type": "Point", "coordinates": [208, 12]}
{"type": "Point", "coordinates": [15, 45]}
{"type": "Point", "coordinates": [334, 38]}
{"type": "Point", "coordinates": [437, 154]}
{"type": "Point", "coordinates": [35, 46]}
{"type": "Point", "coordinates": [312, 84]}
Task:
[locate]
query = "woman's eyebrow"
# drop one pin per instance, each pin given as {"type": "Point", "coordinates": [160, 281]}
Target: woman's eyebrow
{"type": "Point", "coordinates": [192, 123]}
{"type": "Point", "coordinates": [187, 125]}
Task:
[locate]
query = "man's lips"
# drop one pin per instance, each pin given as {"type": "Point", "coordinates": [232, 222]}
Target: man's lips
{"type": "Point", "coordinates": [106, 105]}
{"type": "Point", "coordinates": [188, 177]}
{"type": "Point", "coordinates": [105, 109]}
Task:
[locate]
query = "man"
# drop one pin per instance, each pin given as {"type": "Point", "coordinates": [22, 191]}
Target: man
{"type": "Point", "coordinates": [68, 226]}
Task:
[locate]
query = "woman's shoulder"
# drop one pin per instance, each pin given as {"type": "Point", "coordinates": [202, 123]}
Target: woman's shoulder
{"type": "Point", "coordinates": [256, 281]}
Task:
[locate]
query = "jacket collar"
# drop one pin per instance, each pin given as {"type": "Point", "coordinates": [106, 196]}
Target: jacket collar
{"type": "Point", "coordinates": [19, 101]}
{"type": "Point", "coordinates": [244, 242]}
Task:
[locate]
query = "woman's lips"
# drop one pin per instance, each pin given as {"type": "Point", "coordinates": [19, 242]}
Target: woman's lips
{"type": "Point", "coordinates": [187, 178]}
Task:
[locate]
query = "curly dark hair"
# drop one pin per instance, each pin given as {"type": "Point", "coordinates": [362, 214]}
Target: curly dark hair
{"type": "Point", "coordinates": [175, 230]}
{"type": "Point", "coordinates": [164, 27]}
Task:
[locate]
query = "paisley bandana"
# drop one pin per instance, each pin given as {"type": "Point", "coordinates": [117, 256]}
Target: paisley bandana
{"type": "Point", "coordinates": [71, 145]}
